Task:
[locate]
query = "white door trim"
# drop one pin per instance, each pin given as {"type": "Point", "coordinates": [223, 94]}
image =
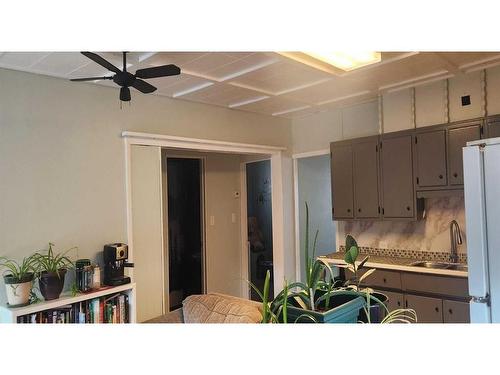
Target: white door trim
{"type": "Point", "coordinates": [194, 144]}
{"type": "Point", "coordinates": [310, 154]}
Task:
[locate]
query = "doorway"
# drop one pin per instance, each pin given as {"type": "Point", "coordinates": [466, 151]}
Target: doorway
{"type": "Point", "coordinates": [184, 228]}
{"type": "Point", "coordinates": [260, 225]}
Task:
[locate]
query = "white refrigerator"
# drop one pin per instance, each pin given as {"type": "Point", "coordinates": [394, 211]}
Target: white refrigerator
{"type": "Point", "coordinates": [482, 212]}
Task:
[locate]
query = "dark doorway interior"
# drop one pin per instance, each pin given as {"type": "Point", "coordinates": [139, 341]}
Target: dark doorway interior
{"type": "Point", "coordinates": [185, 239]}
{"type": "Point", "coordinates": [260, 228]}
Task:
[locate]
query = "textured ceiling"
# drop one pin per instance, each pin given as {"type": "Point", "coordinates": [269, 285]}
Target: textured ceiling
{"type": "Point", "coordinates": [263, 82]}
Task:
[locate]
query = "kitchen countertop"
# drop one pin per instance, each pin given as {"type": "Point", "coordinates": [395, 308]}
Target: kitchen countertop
{"type": "Point", "coordinates": [392, 263]}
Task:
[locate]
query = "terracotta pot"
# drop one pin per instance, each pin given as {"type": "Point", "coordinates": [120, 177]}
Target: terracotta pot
{"type": "Point", "coordinates": [18, 291]}
{"type": "Point", "coordinates": [51, 284]}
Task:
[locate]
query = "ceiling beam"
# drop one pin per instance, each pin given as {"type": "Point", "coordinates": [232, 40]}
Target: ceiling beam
{"type": "Point", "coordinates": [448, 64]}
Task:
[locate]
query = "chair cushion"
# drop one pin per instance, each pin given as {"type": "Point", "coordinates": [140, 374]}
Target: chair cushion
{"type": "Point", "coordinates": [220, 308]}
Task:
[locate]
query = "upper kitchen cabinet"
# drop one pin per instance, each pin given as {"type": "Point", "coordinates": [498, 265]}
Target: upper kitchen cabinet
{"type": "Point", "coordinates": [365, 163]}
{"type": "Point", "coordinates": [342, 180]}
{"type": "Point", "coordinates": [354, 169]}
{"type": "Point", "coordinates": [438, 154]}
{"type": "Point", "coordinates": [430, 155]}
{"type": "Point", "coordinates": [493, 127]}
{"type": "Point", "coordinates": [457, 139]}
{"type": "Point", "coordinates": [396, 169]}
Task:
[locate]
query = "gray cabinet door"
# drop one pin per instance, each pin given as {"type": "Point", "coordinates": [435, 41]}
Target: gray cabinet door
{"type": "Point", "coordinates": [431, 158]}
{"type": "Point", "coordinates": [396, 162]}
{"type": "Point", "coordinates": [396, 300]}
{"type": "Point", "coordinates": [428, 309]}
{"type": "Point", "coordinates": [457, 139]}
{"type": "Point", "coordinates": [456, 312]}
{"type": "Point", "coordinates": [342, 181]}
{"type": "Point", "coordinates": [365, 161]}
{"type": "Point", "coordinates": [493, 129]}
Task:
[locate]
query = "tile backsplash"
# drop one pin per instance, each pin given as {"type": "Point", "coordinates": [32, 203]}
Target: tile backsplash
{"type": "Point", "coordinates": [431, 234]}
{"type": "Point", "coordinates": [410, 254]}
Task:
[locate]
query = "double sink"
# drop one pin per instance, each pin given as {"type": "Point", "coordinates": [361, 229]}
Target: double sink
{"type": "Point", "coordinates": [440, 265]}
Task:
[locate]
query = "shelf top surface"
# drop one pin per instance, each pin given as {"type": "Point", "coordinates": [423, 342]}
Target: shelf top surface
{"type": "Point", "coordinates": [66, 299]}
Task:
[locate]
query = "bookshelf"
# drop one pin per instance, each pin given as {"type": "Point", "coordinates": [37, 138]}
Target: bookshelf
{"type": "Point", "coordinates": [10, 315]}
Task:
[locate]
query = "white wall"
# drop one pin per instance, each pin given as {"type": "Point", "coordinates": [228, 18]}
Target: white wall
{"type": "Point", "coordinates": [62, 171]}
{"type": "Point", "coordinates": [315, 132]}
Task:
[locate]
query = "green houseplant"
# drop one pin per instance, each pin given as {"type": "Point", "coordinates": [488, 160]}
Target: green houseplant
{"type": "Point", "coordinates": [317, 298]}
{"type": "Point", "coordinates": [18, 279]}
{"type": "Point", "coordinates": [51, 270]}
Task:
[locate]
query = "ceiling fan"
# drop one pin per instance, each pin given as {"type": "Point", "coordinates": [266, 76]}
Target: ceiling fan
{"type": "Point", "coordinates": [125, 79]}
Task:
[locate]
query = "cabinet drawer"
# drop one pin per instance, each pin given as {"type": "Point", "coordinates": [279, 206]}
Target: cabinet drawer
{"type": "Point", "coordinates": [384, 279]}
{"type": "Point", "coordinates": [456, 312]}
{"type": "Point", "coordinates": [443, 285]}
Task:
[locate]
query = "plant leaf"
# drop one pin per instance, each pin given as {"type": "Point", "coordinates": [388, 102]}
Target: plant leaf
{"type": "Point", "coordinates": [366, 274]}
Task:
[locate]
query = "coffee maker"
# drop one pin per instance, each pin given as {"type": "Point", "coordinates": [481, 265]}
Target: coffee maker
{"type": "Point", "coordinates": [115, 256]}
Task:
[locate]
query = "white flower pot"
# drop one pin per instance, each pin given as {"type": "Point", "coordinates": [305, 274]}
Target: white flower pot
{"type": "Point", "coordinates": [18, 294]}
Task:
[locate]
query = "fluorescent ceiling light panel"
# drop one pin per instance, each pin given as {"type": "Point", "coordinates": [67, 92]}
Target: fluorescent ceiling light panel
{"type": "Point", "coordinates": [347, 61]}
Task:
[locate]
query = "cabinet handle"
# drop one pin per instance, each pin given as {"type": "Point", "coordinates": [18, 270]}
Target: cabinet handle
{"type": "Point", "coordinates": [441, 176]}
{"type": "Point", "coordinates": [455, 175]}
{"type": "Point", "coordinates": [399, 303]}
{"type": "Point", "coordinates": [437, 309]}
{"type": "Point", "coordinates": [407, 208]}
{"type": "Point", "coordinates": [450, 311]}
{"type": "Point", "coordinates": [406, 303]}
{"type": "Point", "coordinates": [359, 209]}
{"type": "Point", "coordinates": [348, 210]}
{"type": "Point", "coordinates": [385, 280]}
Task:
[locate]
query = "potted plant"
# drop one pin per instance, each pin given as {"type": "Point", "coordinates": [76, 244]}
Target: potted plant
{"type": "Point", "coordinates": [51, 271]}
{"type": "Point", "coordinates": [323, 299]}
{"type": "Point", "coordinates": [318, 298]}
{"type": "Point", "coordinates": [18, 280]}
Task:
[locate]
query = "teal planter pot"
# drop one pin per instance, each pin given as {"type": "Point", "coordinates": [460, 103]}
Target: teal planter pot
{"type": "Point", "coordinates": [343, 309]}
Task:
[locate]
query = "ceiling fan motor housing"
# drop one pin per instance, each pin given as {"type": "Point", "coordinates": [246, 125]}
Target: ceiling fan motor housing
{"type": "Point", "coordinates": [124, 79]}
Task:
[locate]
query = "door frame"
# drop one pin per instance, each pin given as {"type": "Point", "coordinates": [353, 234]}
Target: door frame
{"type": "Point", "coordinates": [205, 145]}
{"type": "Point", "coordinates": [296, 203]}
{"type": "Point", "coordinates": [166, 249]}
{"type": "Point", "coordinates": [245, 253]}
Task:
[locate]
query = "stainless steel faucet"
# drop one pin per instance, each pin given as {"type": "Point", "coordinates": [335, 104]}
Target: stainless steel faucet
{"type": "Point", "coordinates": [455, 239]}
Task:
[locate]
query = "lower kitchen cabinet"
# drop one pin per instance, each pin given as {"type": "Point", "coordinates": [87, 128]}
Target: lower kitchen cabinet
{"type": "Point", "coordinates": [428, 309]}
{"type": "Point", "coordinates": [456, 312]}
{"type": "Point", "coordinates": [396, 300]}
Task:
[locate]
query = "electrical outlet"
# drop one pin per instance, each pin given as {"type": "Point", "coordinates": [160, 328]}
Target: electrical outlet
{"type": "Point", "coordinates": [212, 220]}
{"type": "Point", "coordinates": [382, 244]}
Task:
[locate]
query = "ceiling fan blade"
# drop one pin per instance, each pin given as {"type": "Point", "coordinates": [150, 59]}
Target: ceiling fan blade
{"type": "Point", "coordinates": [101, 61]}
{"type": "Point", "coordinates": [143, 86]}
{"type": "Point", "coordinates": [158, 71]}
{"type": "Point", "coordinates": [90, 79]}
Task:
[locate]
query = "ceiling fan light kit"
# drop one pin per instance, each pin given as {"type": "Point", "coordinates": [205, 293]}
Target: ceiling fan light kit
{"type": "Point", "coordinates": [126, 79]}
